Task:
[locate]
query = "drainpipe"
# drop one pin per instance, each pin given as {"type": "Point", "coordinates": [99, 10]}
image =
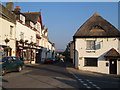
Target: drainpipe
{"type": "Point", "coordinates": [74, 50]}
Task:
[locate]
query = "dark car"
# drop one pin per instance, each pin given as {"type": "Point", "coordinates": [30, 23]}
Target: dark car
{"type": "Point", "coordinates": [49, 60]}
{"type": "Point", "coordinates": [8, 64]}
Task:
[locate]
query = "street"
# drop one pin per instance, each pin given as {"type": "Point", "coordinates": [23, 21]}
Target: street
{"type": "Point", "coordinates": [58, 75]}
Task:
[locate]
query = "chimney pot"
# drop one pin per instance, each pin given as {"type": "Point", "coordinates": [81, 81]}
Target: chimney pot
{"type": "Point", "coordinates": [17, 7]}
{"type": "Point", "coordinates": [10, 6]}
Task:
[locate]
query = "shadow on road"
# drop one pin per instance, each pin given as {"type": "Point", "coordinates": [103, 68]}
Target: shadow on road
{"type": "Point", "coordinates": [1, 81]}
{"type": "Point", "coordinates": [56, 69]}
{"type": "Point", "coordinates": [68, 82]}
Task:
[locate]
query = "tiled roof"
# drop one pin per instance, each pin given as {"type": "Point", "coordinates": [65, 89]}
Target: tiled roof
{"type": "Point", "coordinates": [112, 53]}
{"type": "Point", "coordinates": [7, 14]}
{"type": "Point", "coordinates": [32, 16]}
{"type": "Point", "coordinates": [97, 26]}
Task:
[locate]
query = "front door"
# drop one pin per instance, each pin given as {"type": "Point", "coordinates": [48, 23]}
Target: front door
{"type": "Point", "coordinates": [113, 66]}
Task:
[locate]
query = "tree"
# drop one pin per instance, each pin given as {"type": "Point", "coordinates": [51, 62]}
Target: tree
{"type": "Point", "coordinates": [66, 53]}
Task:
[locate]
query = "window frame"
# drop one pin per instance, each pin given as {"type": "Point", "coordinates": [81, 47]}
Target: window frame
{"type": "Point", "coordinates": [11, 31]}
{"type": "Point", "coordinates": [90, 64]}
{"type": "Point", "coordinates": [90, 47]}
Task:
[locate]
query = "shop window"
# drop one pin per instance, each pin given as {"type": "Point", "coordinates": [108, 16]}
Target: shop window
{"type": "Point", "coordinates": [91, 61]}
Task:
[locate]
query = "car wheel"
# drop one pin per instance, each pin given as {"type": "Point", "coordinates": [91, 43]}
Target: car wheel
{"type": "Point", "coordinates": [3, 71]}
{"type": "Point", "coordinates": [19, 68]}
{"type": "Point", "coordinates": [23, 67]}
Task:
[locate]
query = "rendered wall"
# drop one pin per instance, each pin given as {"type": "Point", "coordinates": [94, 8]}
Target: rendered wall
{"type": "Point", "coordinates": [81, 53]}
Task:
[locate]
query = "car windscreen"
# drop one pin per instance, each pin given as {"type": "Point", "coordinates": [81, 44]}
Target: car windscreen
{"type": "Point", "coordinates": [4, 59]}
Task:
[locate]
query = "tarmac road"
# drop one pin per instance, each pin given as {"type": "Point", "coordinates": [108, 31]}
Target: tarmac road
{"type": "Point", "coordinates": [59, 75]}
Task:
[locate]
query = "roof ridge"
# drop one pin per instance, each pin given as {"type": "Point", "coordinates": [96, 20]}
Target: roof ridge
{"type": "Point", "coordinates": [96, 14]}
{"type": "Point", "coordinates": [30, 12]}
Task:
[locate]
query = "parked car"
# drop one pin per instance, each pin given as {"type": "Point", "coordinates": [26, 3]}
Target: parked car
{"type": "Point", "coordinates": [8, 64]}
{"type": "Point", "coordinates": [49, 60]}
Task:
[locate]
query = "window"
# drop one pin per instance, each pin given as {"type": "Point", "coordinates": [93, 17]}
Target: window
{"type": "Point", "coordinates": [11, 31]}
{"type": "Point", "coordinates": [97, 27]}
{"type": "Point", "coordinates": [22, 35]}
{"type": "Point", "coordinates": [98, 45]}
{"type": "Point", "coordinates": [91, 61]}
{"type": "Point", "coordinates": [31, 38]}
{"type": "Point", "coordinates": [90, 45]}
{"type": "Point", "coordinates": [22, 18]}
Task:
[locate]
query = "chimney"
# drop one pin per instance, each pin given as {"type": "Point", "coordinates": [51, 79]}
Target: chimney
{"type": "Point", "coordinates": [10, 6]}
{"type": "Point", "coordinates": [17, 10]}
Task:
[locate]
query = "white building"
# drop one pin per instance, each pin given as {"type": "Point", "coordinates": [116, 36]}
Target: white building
{"type": "Point", "coordinates": [97, 46]}
{"type": "Point", "coordinates": [7, 31]}
{"type": "Point", "coordinates": [48, 48]}
{"type": "Point", "coordinates": [23, 35]}
{"type": "Point", "coordinates": [27, 35]}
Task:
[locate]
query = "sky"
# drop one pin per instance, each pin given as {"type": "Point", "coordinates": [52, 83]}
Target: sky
{"type": "Point", "coordinates": [63, 19]}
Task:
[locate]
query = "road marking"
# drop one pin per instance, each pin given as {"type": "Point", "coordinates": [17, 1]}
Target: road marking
{"type": "Point", "coordinates": [87, 80]}
{"type": "Point", "coordinates": [74, 75]}
{"type": "Point", "coordinates": [93, 84]}
{"type": "Point", "coordinates": [98, 87]}
{"type": "Point", "coordinates": [88, 87]}
{"type": "Point", "coordinates": [85, 83]}
{"type": "Point", "coordinates": [80, 80]}
{"type": "Point", "coordinates": [90, 82]}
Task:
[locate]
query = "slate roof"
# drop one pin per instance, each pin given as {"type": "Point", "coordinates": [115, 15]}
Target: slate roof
{"type": "Point", "coordinates": [112, 53]}
{"type": "Point", "coordinates": [7, 14]}
{"type": "Point", "coordinates": [96, 26]}
{"type": "Point", "coordinates": [32, 16]}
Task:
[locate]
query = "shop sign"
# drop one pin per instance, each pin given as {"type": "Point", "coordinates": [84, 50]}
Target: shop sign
{"type": "Point", "coordinates": [80, 58]}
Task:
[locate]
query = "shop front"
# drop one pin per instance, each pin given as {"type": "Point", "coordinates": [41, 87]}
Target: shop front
{"type": "Point", "coordinates": [26, 52]}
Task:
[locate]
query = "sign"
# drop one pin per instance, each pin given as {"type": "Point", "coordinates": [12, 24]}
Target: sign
{"type": "Point", "coordinates": [107, 64]}
{"type": "Point", "coordinates": [90, 51]}
{"type": "Point", "coordinates": [80, 58]}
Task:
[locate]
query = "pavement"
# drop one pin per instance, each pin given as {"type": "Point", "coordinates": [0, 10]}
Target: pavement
{"type": "Point", "coordinates": [70, 67]}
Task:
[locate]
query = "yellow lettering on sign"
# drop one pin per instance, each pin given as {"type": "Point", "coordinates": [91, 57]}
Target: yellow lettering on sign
{"type": "Point", "coordinates": [80, 57]}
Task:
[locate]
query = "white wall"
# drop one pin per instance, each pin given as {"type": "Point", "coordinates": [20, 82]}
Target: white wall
{"type": "Point", "coordinates": [5, 33]}
{"type": "Point", "coordinates": [118, 67]}
{"type": "Point", "coordinates": [28, 32]}
{"type": "Point", "coordinates": [106, 45]}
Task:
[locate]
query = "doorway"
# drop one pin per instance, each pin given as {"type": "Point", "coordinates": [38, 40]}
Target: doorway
{"type": "Point", "coordinates": [113, 66]}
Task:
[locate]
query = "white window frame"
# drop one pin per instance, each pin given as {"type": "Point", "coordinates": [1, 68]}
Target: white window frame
{"type": "Point", "coordinates": [11, 31]}
{"type": "Point", "coordinates": [90, 44]}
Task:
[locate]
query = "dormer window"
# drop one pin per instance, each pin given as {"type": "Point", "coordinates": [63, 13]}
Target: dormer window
{"type": "Point", "coordinates": [46, 34]}
{"type": "Point", "coordinates": [97, 27]}
{"type": "Point", "coordinates": [22, 18]}
{"type": "Point", "coordinates": [31, 24]}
